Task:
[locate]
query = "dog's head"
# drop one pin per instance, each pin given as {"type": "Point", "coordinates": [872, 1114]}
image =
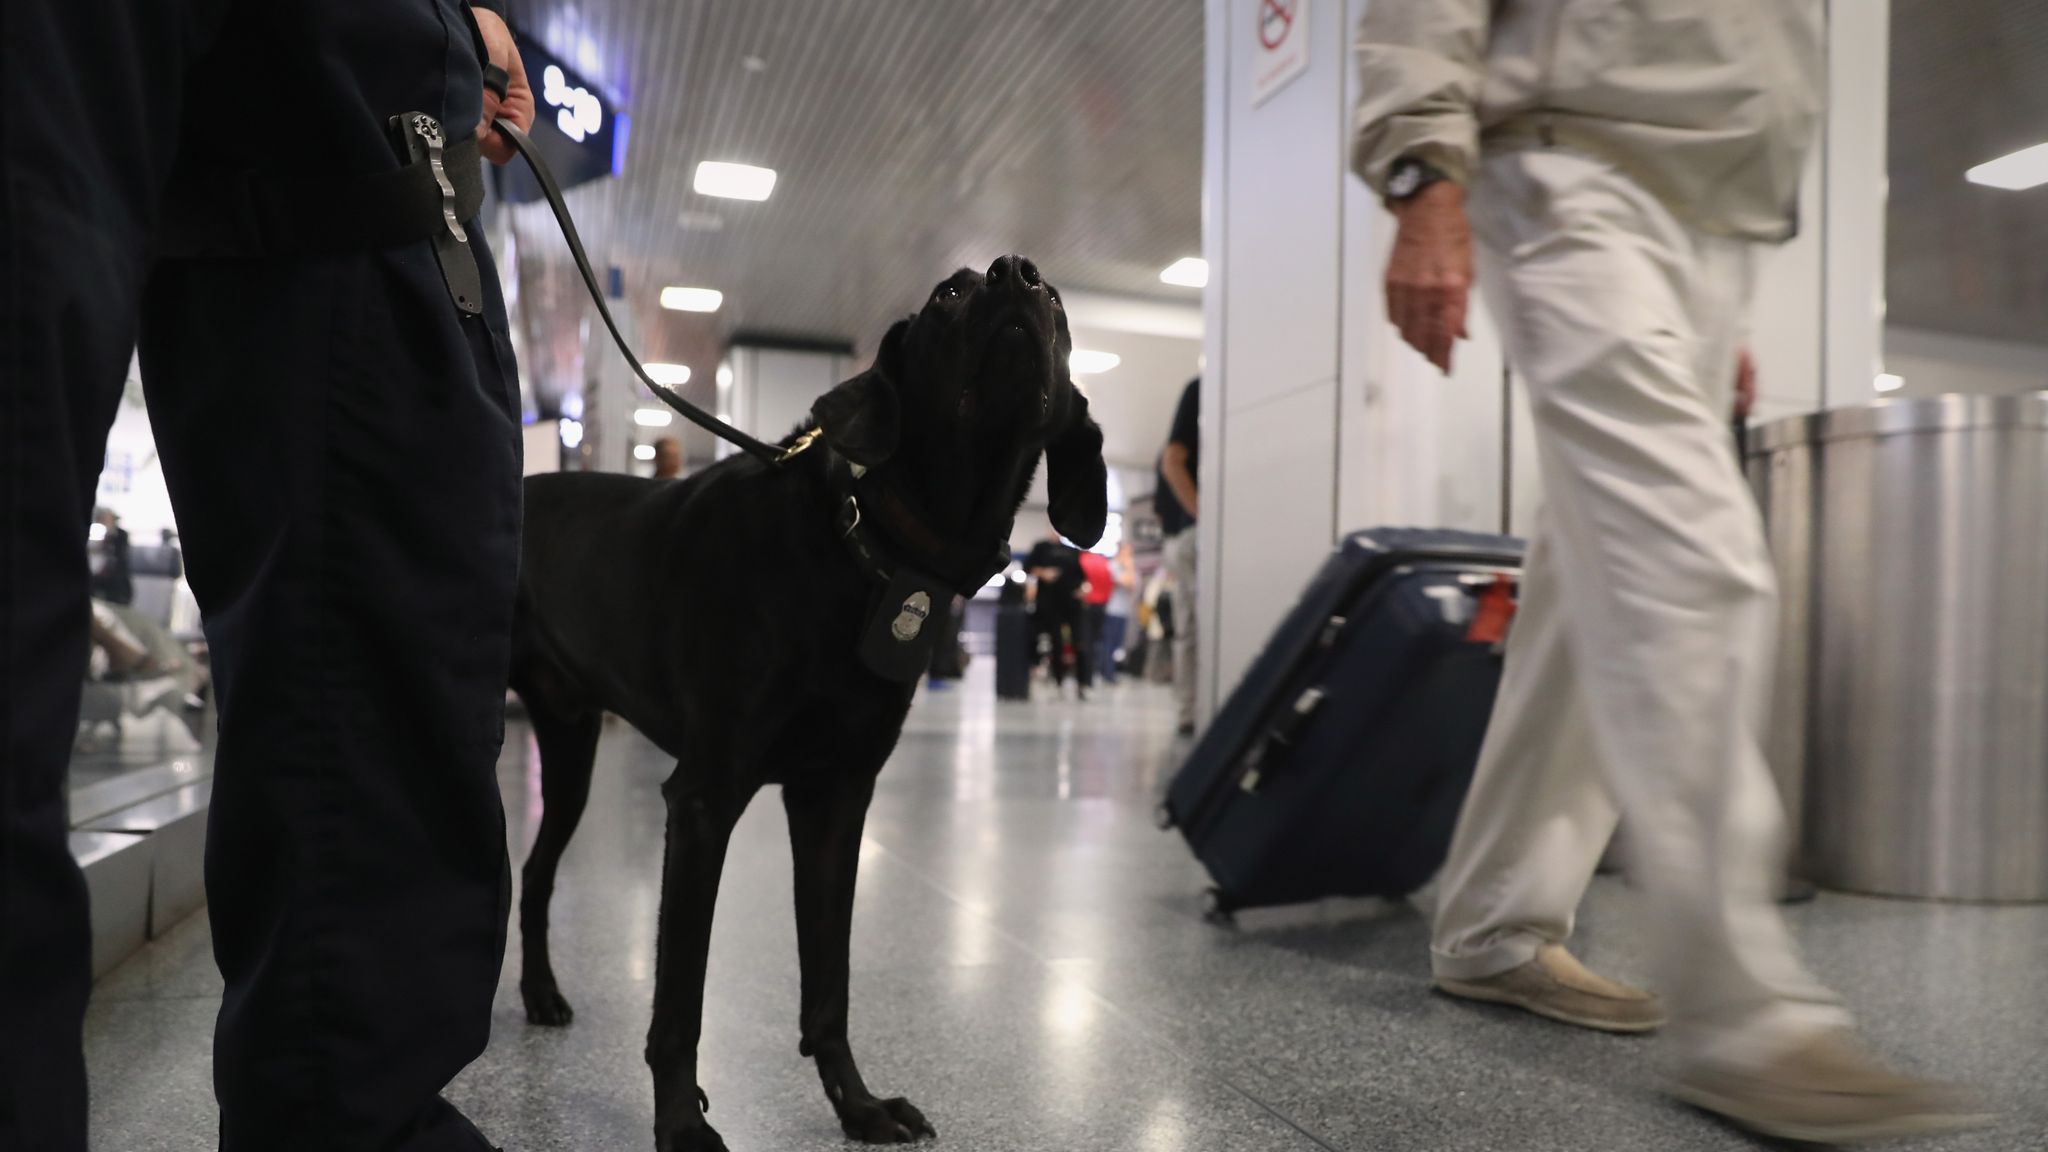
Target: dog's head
{"type": "Point", "coordinates": [965, 395]}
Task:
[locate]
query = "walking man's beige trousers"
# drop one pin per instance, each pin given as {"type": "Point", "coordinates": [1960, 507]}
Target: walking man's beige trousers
{"type": "Point", "coordinates": [1637, 678]}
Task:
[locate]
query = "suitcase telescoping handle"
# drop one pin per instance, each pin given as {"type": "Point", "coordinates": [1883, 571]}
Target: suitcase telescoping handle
{"type": "Point", "coordinates": [1281, 735]}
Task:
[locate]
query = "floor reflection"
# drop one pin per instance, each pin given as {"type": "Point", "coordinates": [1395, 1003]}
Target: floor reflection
{"type": "Point", "coordinates": [1031, 967]}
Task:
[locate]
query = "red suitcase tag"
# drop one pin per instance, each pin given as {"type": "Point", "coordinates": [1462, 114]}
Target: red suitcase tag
{"type": "Point", "coordinates": [1496, 612]}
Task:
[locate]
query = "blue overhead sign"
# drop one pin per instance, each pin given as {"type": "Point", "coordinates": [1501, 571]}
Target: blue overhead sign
{"type": "Point", "coordinates": [580, 133]}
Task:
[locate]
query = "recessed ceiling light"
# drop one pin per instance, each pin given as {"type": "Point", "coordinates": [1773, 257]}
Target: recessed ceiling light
{"type": "Point", "coordinates": [1187, 272]}
{"type": "Point", "coordinates": [691, 299]}
{"type": "Point", "coordinates": [734, 181]}
{"type": "Point", "coordinates": [691, 221]}
{"type": "Point", "coordinates": [1086, 362]}
{"type": "Point", "coordinates": [724, 377]}
{"type": "Point", "coordinates": [1890, 383]}
{"type": "Point", "coordinates": [653, 417]}
{"type": "Point", "coordinates": [754, 64]}
{"type": "Point", "coordinates": [643, 451]}
{"type": "Point", "coordinates": [2023, 169]}
{"type": "Point", "coordinates": [572, 433]}
{"type": "Point", "coordinates": [673, 375]}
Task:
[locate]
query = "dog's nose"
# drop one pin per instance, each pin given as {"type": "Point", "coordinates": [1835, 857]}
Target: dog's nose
{"type": "Point", "coordinates": [1012, 271]}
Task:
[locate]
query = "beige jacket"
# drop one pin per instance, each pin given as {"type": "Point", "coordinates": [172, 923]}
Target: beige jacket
{"type": "Point", "coordinates": [1710, 104]}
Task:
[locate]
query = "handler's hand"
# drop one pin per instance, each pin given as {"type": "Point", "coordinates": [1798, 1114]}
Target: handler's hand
{"type": "Point", "coordinates": [1429, 276]}
{"type": "Point", "coordinates": [517, 106]}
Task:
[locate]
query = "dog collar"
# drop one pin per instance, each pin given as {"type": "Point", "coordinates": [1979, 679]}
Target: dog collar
{"type": "Point", "coordinates": [898, 637]}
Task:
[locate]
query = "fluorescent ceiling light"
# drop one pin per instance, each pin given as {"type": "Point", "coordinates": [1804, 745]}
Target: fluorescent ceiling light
{"type": "Point", "coordinates": [734, 181]}
{"type": "Point", "coordinates": [673, 375]}
{"type": "Point", "coordinates": [1187, 272]}
{"type": "Point", "coordinates": [643, 451]}
{"type": "Point", "coordinates": [653, 417]}
{"type": "Point", "coordinates": [1890, 383]}
{"type": "Point", "coordinates": [692, 299]}
{"type": "Point", "coordinates": [2023, 169]}
{"type": "Point", "coordinates": [1086, 362]}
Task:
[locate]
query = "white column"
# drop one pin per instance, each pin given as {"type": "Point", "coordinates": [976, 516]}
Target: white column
{"type": "Point", "coordinates": [611, 392]}
{"type": "Point", "coordinates": [774, 386]}
{"type": "Point", "coordinates": [1274, 191]}
{"type": "Point", "coordinates": [1853, 216]}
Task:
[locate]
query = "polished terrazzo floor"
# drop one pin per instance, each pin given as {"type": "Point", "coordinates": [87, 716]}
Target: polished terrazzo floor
{"type": "Point", "coordinates": [1032, 969]}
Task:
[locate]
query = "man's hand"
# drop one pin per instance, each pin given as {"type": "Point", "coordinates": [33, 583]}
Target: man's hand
{"type": "Point", "coordinates": [517, 106]}
{"type": "Point", "coordinates": [1429, 276]}
{"type": "Point", "coordinates": [1745, 385]}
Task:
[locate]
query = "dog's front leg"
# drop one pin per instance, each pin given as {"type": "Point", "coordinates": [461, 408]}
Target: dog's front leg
{"type": "Point", "coordinates": [699, 828]}
{"type": "Point", "coordinates": [826, 814]}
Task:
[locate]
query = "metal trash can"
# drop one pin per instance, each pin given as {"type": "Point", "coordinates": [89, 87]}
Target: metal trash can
{"type": "Point", "coordinates": [1918, 609]}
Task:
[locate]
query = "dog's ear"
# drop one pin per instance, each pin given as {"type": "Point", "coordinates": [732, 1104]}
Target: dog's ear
{"type": "Point", "coordinates": [1075, 477]}
{"type": "Point", "coordinates": [862, 417]}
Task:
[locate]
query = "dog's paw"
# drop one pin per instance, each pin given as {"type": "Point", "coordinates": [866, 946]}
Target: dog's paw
{"type": "Point", "coordinates": [885, 1122]}
{"type": "Point", "coordinates": [695, 1138]}
{"type": "Point", "coordinates": [546, 1007]}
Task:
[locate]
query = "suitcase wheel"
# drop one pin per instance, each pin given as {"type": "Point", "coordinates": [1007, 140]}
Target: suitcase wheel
{"type": "Point", "coordinates": [1216, 909]}
{"type": "Point", "coordinates": [1162, 818]}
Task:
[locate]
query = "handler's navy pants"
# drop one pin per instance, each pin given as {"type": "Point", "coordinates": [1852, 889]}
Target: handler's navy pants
{"type": "Point", "coordinates": [342, 451]}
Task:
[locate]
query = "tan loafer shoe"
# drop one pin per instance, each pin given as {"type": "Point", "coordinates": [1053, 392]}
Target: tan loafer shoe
{"type": "Point", "coordinates": [1827, 1091]}
{"type": "Point", "coordinates": [1557, 987]}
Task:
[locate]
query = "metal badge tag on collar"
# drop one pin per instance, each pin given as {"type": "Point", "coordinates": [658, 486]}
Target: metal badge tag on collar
{"type": "Point", "coordinates": [901, 632]}
{"type": "Point", "coordinates": [422, 141]}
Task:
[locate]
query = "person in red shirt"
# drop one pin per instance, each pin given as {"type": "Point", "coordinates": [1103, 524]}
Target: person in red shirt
{"type": "Point", "coordinates": [1101, 585]}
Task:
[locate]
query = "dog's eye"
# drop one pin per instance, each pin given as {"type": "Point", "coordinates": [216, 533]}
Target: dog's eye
{"type": "Point", "coordinates": [947, 292]}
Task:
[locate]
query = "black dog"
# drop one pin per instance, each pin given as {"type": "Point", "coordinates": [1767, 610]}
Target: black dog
{"type": "Point", "coordinates": [763, 623]}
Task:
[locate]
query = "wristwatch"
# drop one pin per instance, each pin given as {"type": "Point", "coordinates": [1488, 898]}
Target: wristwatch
{"type": "Point", "coordinates": [1409, 176]}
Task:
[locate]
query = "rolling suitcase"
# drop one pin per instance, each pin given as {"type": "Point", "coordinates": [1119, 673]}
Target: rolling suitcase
{"type": "Point", "coordinates": [1338, 765]}
{"type": "Point", "coordinates": [1015, 649]}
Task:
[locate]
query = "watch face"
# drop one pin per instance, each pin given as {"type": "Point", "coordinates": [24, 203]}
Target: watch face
{"type": "Point", "coordinates": [1405, 181]}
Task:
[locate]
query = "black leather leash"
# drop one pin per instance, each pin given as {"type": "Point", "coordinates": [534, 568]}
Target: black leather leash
{"type": "Point", "coordinates": [695, 415]}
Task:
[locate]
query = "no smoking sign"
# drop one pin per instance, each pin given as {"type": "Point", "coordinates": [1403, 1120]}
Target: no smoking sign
{"type": "Point", "coordinates": [1283, 45]}
{"type": "Point", "coordinates": [1276, 20]}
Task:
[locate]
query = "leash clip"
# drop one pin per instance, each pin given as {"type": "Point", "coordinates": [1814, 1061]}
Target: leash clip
{"type": "Point", "coordinates": [801, 445]}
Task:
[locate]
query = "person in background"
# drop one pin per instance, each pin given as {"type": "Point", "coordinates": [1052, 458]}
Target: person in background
{"type": "Point", "coordinates": [1619, 165]}
{"type": "Point", "coordinates": [114, 579]}
{"type": "Point", "coordinates": [1178, 502]}
{"type": "Point", "coordinates": [668, 458]}
{"type": "Point", "coordinates": [340, 436]}
{"type": "Point", "coordinates": [1099, 585]}
{"type": "Point", "coordinates": [1057, 587]}
{"type": "Point", "coordinates": [1117, 611]}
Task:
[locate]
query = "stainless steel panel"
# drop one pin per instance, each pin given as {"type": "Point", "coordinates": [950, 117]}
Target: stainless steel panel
{"type": "Point", "coordinates": [1929, 774]}
{"type": "Point", "coordinates": [1781, 470]}
{"type": "Point", "coordinates": [96, 801]}
{"type": "Point", "coordinates": [175, 824]}
{"type": "Point", "coordinates": [117, 875]}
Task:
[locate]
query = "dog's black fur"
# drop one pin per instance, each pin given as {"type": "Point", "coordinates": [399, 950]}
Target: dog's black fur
{"type": "Point", "coordinates": [722, 615]}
